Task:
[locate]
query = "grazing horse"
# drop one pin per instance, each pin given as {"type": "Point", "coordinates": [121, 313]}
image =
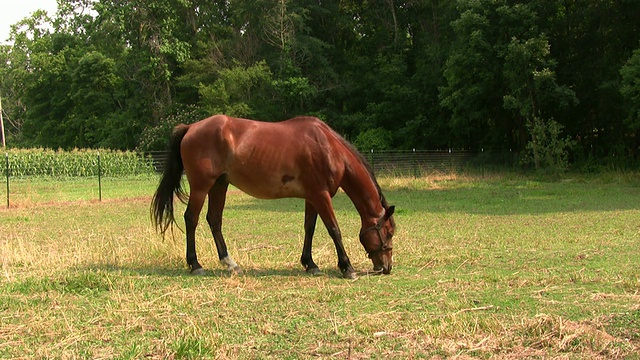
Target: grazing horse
{"type": "Point", "coordinates": [301, 158]}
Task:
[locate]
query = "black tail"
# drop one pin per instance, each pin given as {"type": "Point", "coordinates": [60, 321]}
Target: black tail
{"type": "Point", "coordinates": [171, 182]}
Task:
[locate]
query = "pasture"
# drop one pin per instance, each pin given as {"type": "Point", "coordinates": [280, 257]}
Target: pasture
{"type": "Point", "coordinates": [485, 267]}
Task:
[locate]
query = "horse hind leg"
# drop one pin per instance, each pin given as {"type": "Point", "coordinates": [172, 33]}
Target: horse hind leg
{"type": "Point", "coordinates": [217, 199]}
{"type": "Point", "coordinates": [191, 215]}
{"type": "Point", "coordinates": [310, 218]}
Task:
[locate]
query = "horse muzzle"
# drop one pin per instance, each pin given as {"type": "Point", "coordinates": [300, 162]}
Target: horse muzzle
{"type": "Point", "coordinates": [386, 269]}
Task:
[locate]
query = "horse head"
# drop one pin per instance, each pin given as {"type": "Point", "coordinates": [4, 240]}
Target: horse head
{"type": "Point", "coordinates": [378, 241]}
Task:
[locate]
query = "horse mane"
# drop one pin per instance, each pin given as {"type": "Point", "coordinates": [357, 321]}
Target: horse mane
{"type": "Point", "coordinates": [366, 165]}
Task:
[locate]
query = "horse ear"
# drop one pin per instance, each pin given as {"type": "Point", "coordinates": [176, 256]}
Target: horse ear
{"type": "Point", "coordinates": [389, 212]}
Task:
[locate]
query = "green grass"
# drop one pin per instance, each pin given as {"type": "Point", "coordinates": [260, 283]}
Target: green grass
{"type": "Point", "coordinates": [502, 266]}
{"type": "Point", "coordinates": [29, 191]}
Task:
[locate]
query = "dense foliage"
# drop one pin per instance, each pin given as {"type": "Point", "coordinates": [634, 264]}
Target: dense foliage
{"type": "Point", "coordinates": [425, 74]}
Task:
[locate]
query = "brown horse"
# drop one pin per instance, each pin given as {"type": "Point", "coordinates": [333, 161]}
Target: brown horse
{"type": "Point", "coordinates": [300, 157]}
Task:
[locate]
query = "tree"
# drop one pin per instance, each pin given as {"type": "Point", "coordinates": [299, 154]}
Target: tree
{"type": "Point", "coordinates": [500, 75]}
{"type": "Point", "coordinates": [591, 40]}
{"type": "Point", "coordinates": [96, 100]}
{"type": "Point", "coordinates": [630, 90]}
{"type": "Point", "coordinates": [39, 63]}
{"type": "Point", "coordinates": [28, 36]}
{"type": "Point", "coordinates": [239, 91]}
{"type": "Point", "coordinates": [473, 74]}
{"type": "Point", "coordinates": [532, 90]}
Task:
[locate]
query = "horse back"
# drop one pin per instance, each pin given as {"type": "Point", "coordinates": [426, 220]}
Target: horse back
{"type": "Point", "coordinates": [291, 158]}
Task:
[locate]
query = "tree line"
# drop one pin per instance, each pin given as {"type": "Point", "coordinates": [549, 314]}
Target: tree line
{"type": "Point", "coordinates": [548, 78]}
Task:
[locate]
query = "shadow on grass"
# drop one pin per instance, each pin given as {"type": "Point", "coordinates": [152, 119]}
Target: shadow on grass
{"type": "Point", "coordinates": [160, 271]}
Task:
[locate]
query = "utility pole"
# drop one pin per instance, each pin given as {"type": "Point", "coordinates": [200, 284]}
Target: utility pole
{"type": "Point", "coordinates": [4, 143]}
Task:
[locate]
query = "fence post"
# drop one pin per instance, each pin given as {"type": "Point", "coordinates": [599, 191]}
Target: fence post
{"type": "Point", "coordinates": [6, 156]}
{"type": "Point", "coordinates": [99, 179]}
{"type": "Point", "coordinates": [414, 162]}
{"type": "Point", "coordinates": [482, 161]}
{"type": "Point", "coordinates": [373, 165]}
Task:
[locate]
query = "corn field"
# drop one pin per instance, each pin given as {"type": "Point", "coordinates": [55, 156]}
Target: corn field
{"type": "Point", "coordinates": [112, 163]}
{"type": "Point", "coordinates": [74, 163]}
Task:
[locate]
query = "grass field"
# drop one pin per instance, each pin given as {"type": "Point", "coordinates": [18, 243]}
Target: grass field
{"type": "Point", "coordinates": [493, 267]}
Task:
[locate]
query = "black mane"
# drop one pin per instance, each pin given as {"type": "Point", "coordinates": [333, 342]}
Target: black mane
{"type": "Point", "coordinates": [367, 166]}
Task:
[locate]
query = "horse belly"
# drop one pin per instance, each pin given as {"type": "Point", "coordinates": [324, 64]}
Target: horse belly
{"type": "Point", "coordinates": [266, 164]}
{"type": "Point", "coordinates": [267, 186]}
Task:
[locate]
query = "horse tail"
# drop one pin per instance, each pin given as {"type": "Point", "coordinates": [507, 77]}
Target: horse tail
{"type": "Point", "coordinates": [170, 183]}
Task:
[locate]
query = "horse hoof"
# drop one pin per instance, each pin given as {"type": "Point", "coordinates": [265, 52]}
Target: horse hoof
{"type": "Point", "coordinates": [314, 271]}
{"type": "Point", "coordinates": [350, 274]}
{"type": "Point", "coordinates": [197, 272]}
{"type": "Point", "coordinates": [235, 270]}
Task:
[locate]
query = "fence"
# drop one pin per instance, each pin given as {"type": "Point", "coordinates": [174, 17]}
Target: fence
{"type": "Point", "coordinates": [24, 164]}
{"type": "Point", "coordinates": [94, 164]}
{"type": "Point", "coordinates": [415, 163]}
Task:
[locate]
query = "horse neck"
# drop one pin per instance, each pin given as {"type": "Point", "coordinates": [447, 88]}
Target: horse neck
{"type": "Point", "coordinates": [363, 192]}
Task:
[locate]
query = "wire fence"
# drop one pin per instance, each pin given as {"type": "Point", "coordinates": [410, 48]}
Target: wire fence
{"type": "Point", "coordinates": [91, 165]}
{"type": "Point", "coordinates": [84, 170]}
{"type": "Point", "coordinates": [417, 163]}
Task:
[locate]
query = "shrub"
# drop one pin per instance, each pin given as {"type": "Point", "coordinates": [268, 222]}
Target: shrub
{"type": "Point", "coordinates": [156, 137]}
{"type": "Point", "coordinates": [374, 139]}
{"type": "Point", "coordinates": [546, 150]}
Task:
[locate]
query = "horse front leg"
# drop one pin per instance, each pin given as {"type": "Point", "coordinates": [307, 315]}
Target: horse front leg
{"type": "Point", "coordinates": [310, 218]}
{"type": "Point", "coordinates": [325, 209]}
{"type": "Point", "coordinates": [217, 199]}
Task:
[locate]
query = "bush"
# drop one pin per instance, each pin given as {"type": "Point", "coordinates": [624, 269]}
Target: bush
{"type": "Point", "coordinates": [45, 162]}
{"type": "Point", "coordinates": [546, 150]}
{"type": "Point", "coordinates": [156, 137]}
{"type": "Point", "coordinates": [374, 139]}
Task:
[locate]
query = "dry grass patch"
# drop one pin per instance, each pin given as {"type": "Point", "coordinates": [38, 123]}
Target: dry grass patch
{"type": "Point", "coordinates": [491, 268]}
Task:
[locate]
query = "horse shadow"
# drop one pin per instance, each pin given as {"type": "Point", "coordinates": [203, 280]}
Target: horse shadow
{"type": "Point", "coordinates": [173, 272]}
